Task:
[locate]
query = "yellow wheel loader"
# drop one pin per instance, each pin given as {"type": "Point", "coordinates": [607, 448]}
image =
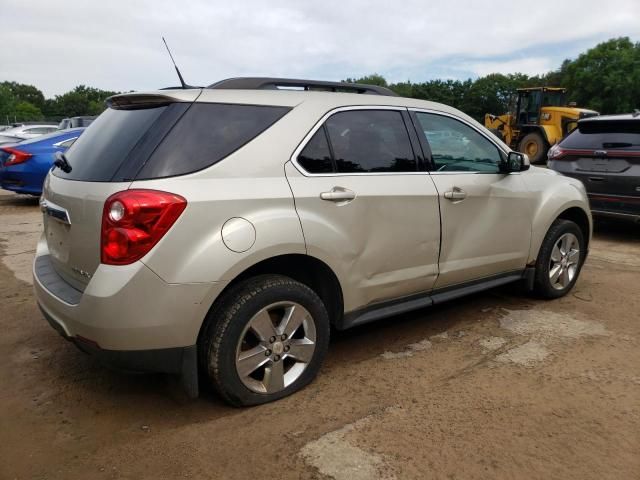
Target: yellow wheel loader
{"type": "Point", "coordinates": [541, 119]}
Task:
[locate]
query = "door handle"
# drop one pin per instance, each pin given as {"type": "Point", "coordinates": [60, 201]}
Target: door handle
{"type": "Point", "coordinates": [455, 194]}
{"type": "Point", "coordinates": [596, 179]}
{"type": "Point", "coordinates": [338, 194]}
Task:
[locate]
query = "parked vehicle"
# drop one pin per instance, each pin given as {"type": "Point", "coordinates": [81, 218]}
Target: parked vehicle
{"type": "Point", "coordinates": [75, 122]}
{"type": "Point", "coordinates": [541, 118]}
{"type": "Point", "coordinates": [30, 130]}
{"type": "Point", "coordinates": [24, 165]}
{"type": "Point", "coordinates": [222, 231]}
{"type": "Point", "coordinates": [4, 139]}
{"type": "Point", "coordinates": [604, 154]}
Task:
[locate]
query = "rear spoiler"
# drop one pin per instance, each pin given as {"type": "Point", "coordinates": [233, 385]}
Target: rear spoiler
{"type": "Point", "coordinates": [136, 101]}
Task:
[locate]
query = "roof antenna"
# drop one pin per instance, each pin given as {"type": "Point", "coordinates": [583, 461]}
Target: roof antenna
{"type": "Point", "coordinates": [184, 85]}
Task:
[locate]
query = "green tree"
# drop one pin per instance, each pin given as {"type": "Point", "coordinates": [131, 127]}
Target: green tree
{"type": "Point", "coordinates": [25, 93]}
{"type": "Point", "coordinates": [25, 111]}
{"type": "Point", "coordinates": [606, 77]}
{"type": "Point", "coordinates": [7, 104]}
{"type": "Point", "coordinates": [82, 100]}
{"type": "Point", "coordinates": [374, 79]}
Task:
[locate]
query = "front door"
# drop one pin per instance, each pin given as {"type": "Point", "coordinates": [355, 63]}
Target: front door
{"type": "Point", "coordinates": [486, 214]}
{"type": "Point", "coordinates": [365, 208]}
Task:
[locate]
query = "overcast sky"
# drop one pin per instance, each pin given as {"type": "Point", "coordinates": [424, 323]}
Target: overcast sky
{"type": "Point", "coordinates": [116, 45]}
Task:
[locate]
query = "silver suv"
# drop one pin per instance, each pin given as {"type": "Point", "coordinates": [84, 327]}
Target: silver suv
{"type": "Point", "coordinates": [220, 233]}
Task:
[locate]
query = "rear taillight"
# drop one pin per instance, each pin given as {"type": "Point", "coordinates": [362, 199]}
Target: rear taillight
{"type": "Point", "coordinates": [555, 152]}
{"type": "Point", "coordinates": [15, 156]}
{"type": "Point", "coordinates": [133, 221]}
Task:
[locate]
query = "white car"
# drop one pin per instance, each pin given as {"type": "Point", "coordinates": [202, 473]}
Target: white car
{"type": "Point", "coordinates": [30, 131]}
{"type": "Point", "coordinates": [218, 233]}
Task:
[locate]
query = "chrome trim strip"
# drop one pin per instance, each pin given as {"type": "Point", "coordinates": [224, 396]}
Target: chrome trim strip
{"type": "Point", "coordinates": [55, 211]}
{"type": "Point", "coordinates": [318, 125]}
{"type": "Point", "coordinates": [57, 144]}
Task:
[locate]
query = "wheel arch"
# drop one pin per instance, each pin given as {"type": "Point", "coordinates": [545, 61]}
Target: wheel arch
{"type": "Point", "coordinates": [579, 217]}
{"type": "Point", "coordinates": [573, 211]}
{"type": "Point", "coordinates": [303, 268]}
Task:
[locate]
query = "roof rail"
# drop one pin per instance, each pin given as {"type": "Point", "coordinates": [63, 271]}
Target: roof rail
{"type": "Point", "coordinates": [266, 83]}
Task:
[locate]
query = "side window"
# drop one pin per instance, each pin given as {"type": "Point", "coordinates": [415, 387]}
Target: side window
{"type": "Point", "coordinates": [456, 147]}
{"type": "Point", "coordinates": [370, 141]}
{"type": "Point", "coordinates": [316, 156]}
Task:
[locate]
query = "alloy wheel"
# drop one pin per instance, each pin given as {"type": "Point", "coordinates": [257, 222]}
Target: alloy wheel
{"type": "Point", "coordinates": [563, 264]}
{"type": "Point", "coordinates": [275, 347]}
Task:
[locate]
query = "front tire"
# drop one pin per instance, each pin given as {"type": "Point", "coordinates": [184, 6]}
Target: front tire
{"type": "Point", "coordinates": [265, 339]}
{"type": "Point", "coordinates": [560, 259]}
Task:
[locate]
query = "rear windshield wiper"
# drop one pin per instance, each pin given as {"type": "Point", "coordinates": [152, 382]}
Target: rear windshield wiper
{"type": "Point", "coordinates": [62, 163]}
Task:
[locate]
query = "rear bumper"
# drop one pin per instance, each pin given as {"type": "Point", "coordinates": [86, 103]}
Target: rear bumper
{"type": "Point", "coordinates": [182, 361]}
{"type": "Point", "coordinates": [21, 182]}
{"type": "Point", "coordinates": [19, 187]}
{"type": "Point", "coordinates": [123, 309]}
{"type": "Point", "coordinates": [165, 360]}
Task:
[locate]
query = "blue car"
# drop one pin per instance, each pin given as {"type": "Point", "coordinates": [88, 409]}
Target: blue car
{"type": "Point", "coordinates": [24, 165]}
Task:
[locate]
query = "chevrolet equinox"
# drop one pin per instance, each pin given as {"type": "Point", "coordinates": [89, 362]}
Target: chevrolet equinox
{"type": "Point", "coordinates": [220, 233]}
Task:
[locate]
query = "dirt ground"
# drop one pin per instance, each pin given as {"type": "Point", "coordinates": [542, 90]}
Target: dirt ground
{"type": "Point", "coordinates": [493, 386]}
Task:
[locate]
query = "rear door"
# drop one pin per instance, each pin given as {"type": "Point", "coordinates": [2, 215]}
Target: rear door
{"type": "Point", "coordinates": [366, 208]}
{"type": "Point", "coordinates": [486, 215]}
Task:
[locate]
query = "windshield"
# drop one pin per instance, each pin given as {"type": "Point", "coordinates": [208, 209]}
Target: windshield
{"type": "Point", "coordinates": [554, 99]}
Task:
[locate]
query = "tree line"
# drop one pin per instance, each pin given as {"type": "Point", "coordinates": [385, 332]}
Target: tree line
{"type": "Point", "coordinates": [605, 78]}
{"type": "Point", "coordinates": [20, 102]}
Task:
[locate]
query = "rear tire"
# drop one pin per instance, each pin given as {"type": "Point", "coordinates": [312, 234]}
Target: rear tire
{"type": "Point", "coordinates": [535, 146]}
{"type": "Point", "coordinates": [560, 260]}
{"type": "Point", "coordinates": [264, 339]}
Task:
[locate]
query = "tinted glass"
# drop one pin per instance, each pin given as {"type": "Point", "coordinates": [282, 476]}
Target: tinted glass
{"type": "Point", "coordinates": [316, 156]}
{"type": "Point", "coordinates": [595, 141]}
{"type": "Point", "coordinates": [456, 147]}
{"type": "Point", "coordinates": [370, 141]}
{"type": "Point", "coordinates": [206, 134]}
{"type": "Point", "coordinates": [105, 145]}
{"type": "Point", "coordinates": [554, 99]}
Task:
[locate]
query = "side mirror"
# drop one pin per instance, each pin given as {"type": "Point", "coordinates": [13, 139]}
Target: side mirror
{"type": "Point", "coordinates": [516, 162]}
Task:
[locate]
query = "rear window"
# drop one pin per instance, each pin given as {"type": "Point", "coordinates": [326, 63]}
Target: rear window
{"type": "Point", "coordinates": [107, 143]}
{"type": "Point", "coordinates": [164, 141]}
{"type": "Point", "coordinates": [598, 140]}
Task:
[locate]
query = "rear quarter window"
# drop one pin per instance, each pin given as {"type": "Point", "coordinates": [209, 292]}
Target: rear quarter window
{"type": "Point", "coordinates": [207, 133]}
{"type": "Point", "coordinates": [107, 143]}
